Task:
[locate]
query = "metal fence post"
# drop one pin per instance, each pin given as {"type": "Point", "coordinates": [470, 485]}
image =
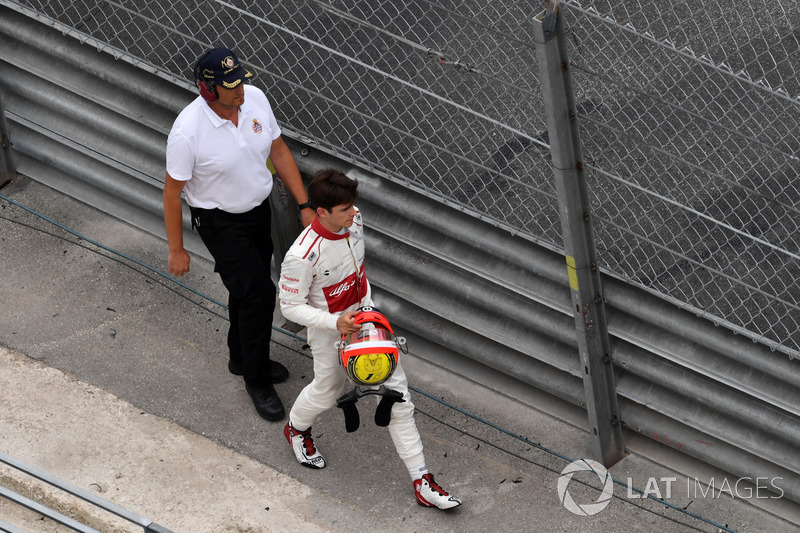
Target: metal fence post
{"type": "Point", "coordinates": [576, 224]}
{"type": "Point", "coordinates": [7, 170]}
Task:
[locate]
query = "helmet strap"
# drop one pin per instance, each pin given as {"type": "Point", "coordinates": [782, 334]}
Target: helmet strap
{"type": "Point", "coordinates": [383, 414]}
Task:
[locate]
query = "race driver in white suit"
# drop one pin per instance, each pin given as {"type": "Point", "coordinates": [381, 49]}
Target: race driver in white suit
{"type": "Point", "coordinates": [322, 284]}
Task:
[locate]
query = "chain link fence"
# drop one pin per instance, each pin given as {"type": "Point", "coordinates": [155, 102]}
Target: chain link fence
{"type": "Point", "coordinates": [688, 112]}
{"type": "Point", "coordinates": [693, 147]}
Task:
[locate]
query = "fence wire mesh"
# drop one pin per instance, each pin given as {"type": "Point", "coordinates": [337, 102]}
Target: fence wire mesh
{"type": "Point", "coordinates": [693, 148]}
{"type": "Point", "coordinates": [688, 113]}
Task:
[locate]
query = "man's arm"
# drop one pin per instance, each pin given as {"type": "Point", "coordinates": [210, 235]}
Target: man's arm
{"type": "Point", "coordinates": [173, 221]}
{"type": "Point", "coordinates": [295, 282]}
{"type": "Point", "coordinates": [286, 168]}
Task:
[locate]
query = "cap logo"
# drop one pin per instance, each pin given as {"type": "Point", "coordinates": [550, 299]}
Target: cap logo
{"type": "Point", "coordinates": [230, 84]}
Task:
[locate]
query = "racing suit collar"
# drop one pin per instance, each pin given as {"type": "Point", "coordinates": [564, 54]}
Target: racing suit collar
{"type": "Point", "coordinates": [325, 233]}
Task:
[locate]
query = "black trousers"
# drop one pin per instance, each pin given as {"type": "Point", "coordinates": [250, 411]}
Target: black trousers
{"type": "Point", "coordinates": [241, 245]}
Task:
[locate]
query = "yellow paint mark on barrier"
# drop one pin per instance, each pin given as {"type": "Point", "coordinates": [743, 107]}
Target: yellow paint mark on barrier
{"type": "Point", "coordinates": [573, 273]}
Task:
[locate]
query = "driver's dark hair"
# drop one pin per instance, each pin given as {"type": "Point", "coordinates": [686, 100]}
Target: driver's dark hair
{"type": "Point", "coordinates": [330, 187]}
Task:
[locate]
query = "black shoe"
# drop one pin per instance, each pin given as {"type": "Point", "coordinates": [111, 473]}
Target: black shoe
{"type": "Point", "coordinates": [278, 372]}
{"type": "Point", "coordinates": [267, 403]}
{"type": "Point", "coordinates": [235, 367]}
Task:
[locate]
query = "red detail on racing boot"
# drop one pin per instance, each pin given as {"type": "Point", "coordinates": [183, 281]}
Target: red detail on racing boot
{"type": "Point", "coordinates": [303, 446]}
{"type": "Point", "coordinates": [430, 494]}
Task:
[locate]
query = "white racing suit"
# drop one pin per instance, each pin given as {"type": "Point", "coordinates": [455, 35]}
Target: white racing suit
{"type": "Point", "coordinates": [322, 277]}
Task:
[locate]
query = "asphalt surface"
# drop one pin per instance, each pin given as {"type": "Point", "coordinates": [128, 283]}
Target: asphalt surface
{"type": "Point", "coordinates": [113, 378]}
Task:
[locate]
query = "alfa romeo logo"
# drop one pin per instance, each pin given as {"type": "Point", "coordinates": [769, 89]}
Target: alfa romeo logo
{"type": "Point", "coordinates": [586, 509]}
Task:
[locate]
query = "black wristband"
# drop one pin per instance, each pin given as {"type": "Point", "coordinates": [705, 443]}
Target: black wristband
{"type": "Point", "coordinates": [303, 206]}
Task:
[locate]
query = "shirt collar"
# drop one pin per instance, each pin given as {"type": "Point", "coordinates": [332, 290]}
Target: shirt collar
{"type": "Point", "coordinates": [218, 121]}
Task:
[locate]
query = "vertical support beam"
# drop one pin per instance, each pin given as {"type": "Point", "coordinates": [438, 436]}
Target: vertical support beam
{"type": "Point", "coordinates": [576, 225]}
{"type": "Point", "coordinates": [7, 170]}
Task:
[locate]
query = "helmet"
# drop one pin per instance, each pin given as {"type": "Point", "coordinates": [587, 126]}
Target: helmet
{"type": "Point", "coordinates": [369, 356]}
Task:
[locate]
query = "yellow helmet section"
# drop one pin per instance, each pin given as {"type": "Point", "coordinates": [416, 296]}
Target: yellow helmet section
{"type": "Point", "coordinates": [371, 369]}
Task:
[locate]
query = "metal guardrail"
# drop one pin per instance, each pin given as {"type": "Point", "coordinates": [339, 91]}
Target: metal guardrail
{"type": "Point", "coordinates": [486, 301]}
{"type": "Point", "coordinates": [147, 525]}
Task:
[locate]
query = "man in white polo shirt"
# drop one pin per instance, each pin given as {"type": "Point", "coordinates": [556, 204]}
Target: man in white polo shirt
{"type": "Point", "coordinates": [217, 154]}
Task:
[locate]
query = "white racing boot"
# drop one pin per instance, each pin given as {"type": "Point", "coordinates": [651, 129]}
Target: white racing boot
{"type": "Point", "coordinates": [430, 494]}
{"type": "Point", "coordinates": [303, 446]}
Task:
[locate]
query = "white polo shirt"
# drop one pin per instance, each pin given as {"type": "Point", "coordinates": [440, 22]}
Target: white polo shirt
{"type": "Point", "coordinates": [224, 166]}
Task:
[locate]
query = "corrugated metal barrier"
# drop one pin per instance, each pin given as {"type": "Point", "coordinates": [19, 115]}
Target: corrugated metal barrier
{"type": "Point", "coordinates": [471, 296]}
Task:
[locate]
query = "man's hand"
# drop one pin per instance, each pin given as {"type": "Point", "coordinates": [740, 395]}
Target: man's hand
{"type": "Point", "coordinates": [179, 262]}
{"type": "Point", "coordinates": [307, 217]}
{"type": "Point", "coordinates": [347, 324]}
